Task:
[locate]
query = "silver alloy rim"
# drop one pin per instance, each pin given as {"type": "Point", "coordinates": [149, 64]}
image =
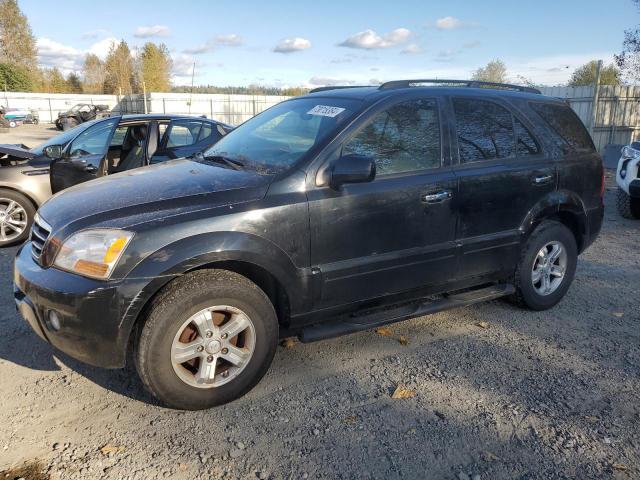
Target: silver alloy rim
{"type": "Point", "coordinates": [213, 346]}
{"type": "Point", "coordinates": [549, 268]}
{"type": "Point", "coordinates": [13, 220]}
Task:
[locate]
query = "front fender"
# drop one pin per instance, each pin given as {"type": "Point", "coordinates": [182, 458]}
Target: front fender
{"type": "Point", "coordinates": [191, 253]}
{"type": "Point", "coordinates": [632, 168]}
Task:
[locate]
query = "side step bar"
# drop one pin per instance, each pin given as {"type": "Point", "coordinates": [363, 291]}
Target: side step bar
{"type": "Point", "coordinates": [351, 324]}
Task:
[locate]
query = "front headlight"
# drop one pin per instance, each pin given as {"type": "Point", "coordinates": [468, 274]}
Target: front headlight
{"type": "Point", "coordinates": [630, 152]}
{"type": "Point", "coordinates": [93, 253]}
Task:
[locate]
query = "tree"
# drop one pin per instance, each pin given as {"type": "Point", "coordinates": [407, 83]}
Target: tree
{"type": "Point", "coordinates": [56, 81]}
{"type": "Point", "coordinates": [629, 59]}
{"type": "Point", "coordinates": [494, 71]}
{"type": "Point", "coordinates": [586, 75]}
{"type": "Point", "coordinates": [155, 66]}
{"type": "Point", "coordinates": [17, 45]}
{"type": "Point", "coordinates": [74, 85]}
{"type": "Point", "coordinates": [119, 72]}
{"type": "Point", "coordinates": [94, 74]}
{"type": "Point", "coordinates": [14, 78]}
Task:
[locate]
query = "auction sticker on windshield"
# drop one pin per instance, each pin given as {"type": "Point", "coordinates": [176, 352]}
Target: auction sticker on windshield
{"type": "Point", "coordinates": [325, 111]}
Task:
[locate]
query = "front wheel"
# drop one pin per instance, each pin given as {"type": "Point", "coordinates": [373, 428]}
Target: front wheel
{"type": "Point", "coordinates": [547, 266]}
{"type": "Point", "coordinates": [16, 217]}
{"type": "Point", "coordinates": [628, 206]}
{"type": "Point", "coordinates": [208, 339]}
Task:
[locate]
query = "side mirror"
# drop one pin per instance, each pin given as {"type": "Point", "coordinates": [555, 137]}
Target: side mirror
{"type": "Point", "coordinates": [53, 151]}
{"type": "Point", "coordinates": [352, 168]}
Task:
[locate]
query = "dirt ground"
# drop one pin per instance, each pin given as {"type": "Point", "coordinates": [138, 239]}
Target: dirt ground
{"type": "Point", "coordinates": [500, 393]}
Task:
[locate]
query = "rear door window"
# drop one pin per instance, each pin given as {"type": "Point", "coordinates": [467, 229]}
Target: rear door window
{"type": "Point", "coordinates": [182, 133]}
{"type": "Point", "coordinates": [567, 131]}
{"type": "Point", "coordinates": [484, 129]}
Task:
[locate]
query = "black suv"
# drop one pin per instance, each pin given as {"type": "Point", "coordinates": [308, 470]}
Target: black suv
{"type": "Point", "coordinates": [334, 212]}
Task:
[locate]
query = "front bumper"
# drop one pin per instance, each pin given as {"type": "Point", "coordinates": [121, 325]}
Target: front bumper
{"type": "Point", "coordinates": [91, 313]}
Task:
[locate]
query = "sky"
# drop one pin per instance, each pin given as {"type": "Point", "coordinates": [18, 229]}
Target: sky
{"type": "Point", "coordinates": [285, 43]}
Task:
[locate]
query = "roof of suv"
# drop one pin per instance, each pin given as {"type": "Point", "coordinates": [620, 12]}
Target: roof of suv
{"type": "Point", "coordinates": [372, 93]}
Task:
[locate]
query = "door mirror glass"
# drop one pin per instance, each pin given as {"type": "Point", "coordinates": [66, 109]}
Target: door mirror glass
{"type": "Point", "coordinates": [53, 151]}
{"type": "Point", "coordinates": [353, 168]}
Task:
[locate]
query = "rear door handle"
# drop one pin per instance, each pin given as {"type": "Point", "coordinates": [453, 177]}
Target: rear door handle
{"type": "Point", "coordinates": [542, 179]}
{"type": "Point", "coordinates": [437, 197]}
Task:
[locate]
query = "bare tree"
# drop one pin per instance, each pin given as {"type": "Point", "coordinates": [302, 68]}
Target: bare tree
{"type": "Point", "coordinates": [494, 71]}
{"type": "Point", "coordinates": [629, 59]}
{"type": "Point", "coordinates": [94, 74]}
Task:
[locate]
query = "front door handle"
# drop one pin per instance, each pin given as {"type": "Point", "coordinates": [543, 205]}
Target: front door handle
{"type": "Point", "coordinates": [542, 179]}
{"type": "Point", "coordinates": [437, 197]}
{"type": "Point", "coordinates": [90, 168]}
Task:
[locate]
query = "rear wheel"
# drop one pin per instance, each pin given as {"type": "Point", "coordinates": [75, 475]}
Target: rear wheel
{"type": "Point", "coordinates": [628, 206]}
{"type": "Point", "coordinates": [214, 350]}
{"type": "Point", "coordinates": [16, 217]}
{"type": "Point", "coordinates": [547, 266]}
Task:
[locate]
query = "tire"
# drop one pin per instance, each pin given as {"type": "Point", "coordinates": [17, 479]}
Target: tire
{"type": "Point", "coordinates": [164, 325]}
{"type": "Point", "coordinates": [22, 210]}
{"type": "Point", "coordinates": [628, 207]}
{"type": "Point", "coordinates": [69, 123]}
{"type": "Point", "coordinates": [546, 235]}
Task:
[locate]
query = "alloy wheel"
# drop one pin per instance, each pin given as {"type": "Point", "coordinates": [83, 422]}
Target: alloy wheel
{"type": "Point", "coordinates": [13, 220]}
{"type": "Point", "coordinates": [549, 268]}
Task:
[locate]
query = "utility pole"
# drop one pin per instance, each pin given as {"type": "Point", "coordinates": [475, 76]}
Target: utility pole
{"type": "Point", "coordinates": [193, 73]}
{"type": "Point", "coordinates": [596, 98]}
{"type": "Point", "coordinates": [144, 96]}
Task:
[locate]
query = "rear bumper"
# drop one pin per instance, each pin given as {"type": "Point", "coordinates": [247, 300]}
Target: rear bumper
{"type": "Point", "coordinates": [595, 217]}
{"type": "Point", "coordinates": [90, 312]}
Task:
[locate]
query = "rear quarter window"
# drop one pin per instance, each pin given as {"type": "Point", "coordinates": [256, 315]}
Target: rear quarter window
{"type": "Point", "coordinates": [567, 131]}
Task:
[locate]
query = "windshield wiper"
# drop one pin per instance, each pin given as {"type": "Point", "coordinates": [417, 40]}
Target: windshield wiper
{"type": "Point", "coordinates": [235, 164]}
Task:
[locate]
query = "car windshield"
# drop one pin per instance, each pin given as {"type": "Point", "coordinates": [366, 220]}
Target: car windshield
{"type": "Point", "coordinates": [63, 138]}
{"type": "Point", "coordinates": [280, 136]}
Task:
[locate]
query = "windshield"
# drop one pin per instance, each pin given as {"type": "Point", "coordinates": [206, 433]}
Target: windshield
{"type": "Point", "coordinates": [277, 138]}
{"type": "Point", "coordinates": [63, 138]}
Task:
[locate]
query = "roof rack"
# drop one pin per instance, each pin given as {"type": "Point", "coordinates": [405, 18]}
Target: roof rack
{"type": "Point", "coordinates": [464, 83]}
{"type": "Point", "coordinates": [335, 87]}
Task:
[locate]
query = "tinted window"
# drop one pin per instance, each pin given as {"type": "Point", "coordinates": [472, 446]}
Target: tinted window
{"type": "Point", "coordinates": [208, 133]}
{"type": "Point", "coordinates": [92, 141]}
{"type": "Point", "coordinates": [404, 138]}
{"type": "Point", "coordinates": [567, 130]}
{"type": "Point", "coordinates": [485, 130]}
{"type": "Point", "coordinates": [183, 133]}
{"type": "Point", "coordinates": [526, 145]}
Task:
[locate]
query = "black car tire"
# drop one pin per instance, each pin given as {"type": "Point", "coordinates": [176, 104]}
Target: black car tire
{"type": "Point", "coordinates": [526, 294]}
{"type": "Point", "coordinates": [29, 214]}
{"type": "Point", "coordinates": [69, 123]}
{"type": "Point", "coordinates": [168, 312]}
{"type": "Point", "coordinates": [628, 206]}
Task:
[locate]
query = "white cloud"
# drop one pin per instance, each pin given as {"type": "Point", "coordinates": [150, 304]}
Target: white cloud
{"type": "Point", "coordinates": [370, 40]}
{"type": "Point", "coordinates": [412, 49]}
{"type": "Point", "coordinates": [93, 34]}
{"type": "Point", "coordinates": [101, 48]}
{"type": "Point", "coordinates": [448, 23]}
{"type": "Point", "coordinates": [229, 40]}
{"type": "Point", "coordinates": [66, 58]}
{"type": "Point", "coordinates": [295, 44]}
{"type": "Point", "coordinates": [152, 31]}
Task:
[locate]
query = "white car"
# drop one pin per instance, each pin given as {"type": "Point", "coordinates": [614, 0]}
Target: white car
{"type": "Point", "coordinates": [628, 180]}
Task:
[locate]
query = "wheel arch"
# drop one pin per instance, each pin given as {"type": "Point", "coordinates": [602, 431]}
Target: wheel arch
{"type": "Point", "coordinates": [564, 207]}
{"type": "Point", "coordinates": [26, 194]}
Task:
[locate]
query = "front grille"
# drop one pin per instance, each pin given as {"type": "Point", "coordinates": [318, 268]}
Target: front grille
{"type": "Point", "coordinates": [40, 232]}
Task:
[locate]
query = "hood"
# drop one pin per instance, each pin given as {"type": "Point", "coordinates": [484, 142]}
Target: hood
{"type": "Point", "coordinates": [16, 151]}
{"type": "Point", "coordinates": [149, 193]}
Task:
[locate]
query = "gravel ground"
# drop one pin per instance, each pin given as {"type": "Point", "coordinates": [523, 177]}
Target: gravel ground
{"type": "Point", "coordinates": [500, 393]}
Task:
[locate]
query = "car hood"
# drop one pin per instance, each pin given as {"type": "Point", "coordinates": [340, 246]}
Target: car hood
{"type": "Point", "coordinates": [16, 150]}
{"type": "Point", "coordinates": [151, 193]}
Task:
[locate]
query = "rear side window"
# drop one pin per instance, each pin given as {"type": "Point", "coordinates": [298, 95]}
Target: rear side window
{"type": "Point", "coordinates": [525, 143]}
{"type": "Point", "coordinates": [567, 131]}
{"type": "Point", "coordinates": [403, 138]}
{"type": "Point", "coordinates": [183, 133]}
{"type": "Point", "coordinates": [485, 130]}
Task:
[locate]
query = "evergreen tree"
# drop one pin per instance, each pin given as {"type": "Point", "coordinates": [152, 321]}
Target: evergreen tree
{"type": "Point", "coordinates": [14, 78]}
{"type": "Point", "coordinates": [155, 67]}
{"type": "Point", "coordinates": [17, 44]}
{"type": "Point", "coordinates": [119, 72]}
{"type": "Point", "coordinates": [94, 74]}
